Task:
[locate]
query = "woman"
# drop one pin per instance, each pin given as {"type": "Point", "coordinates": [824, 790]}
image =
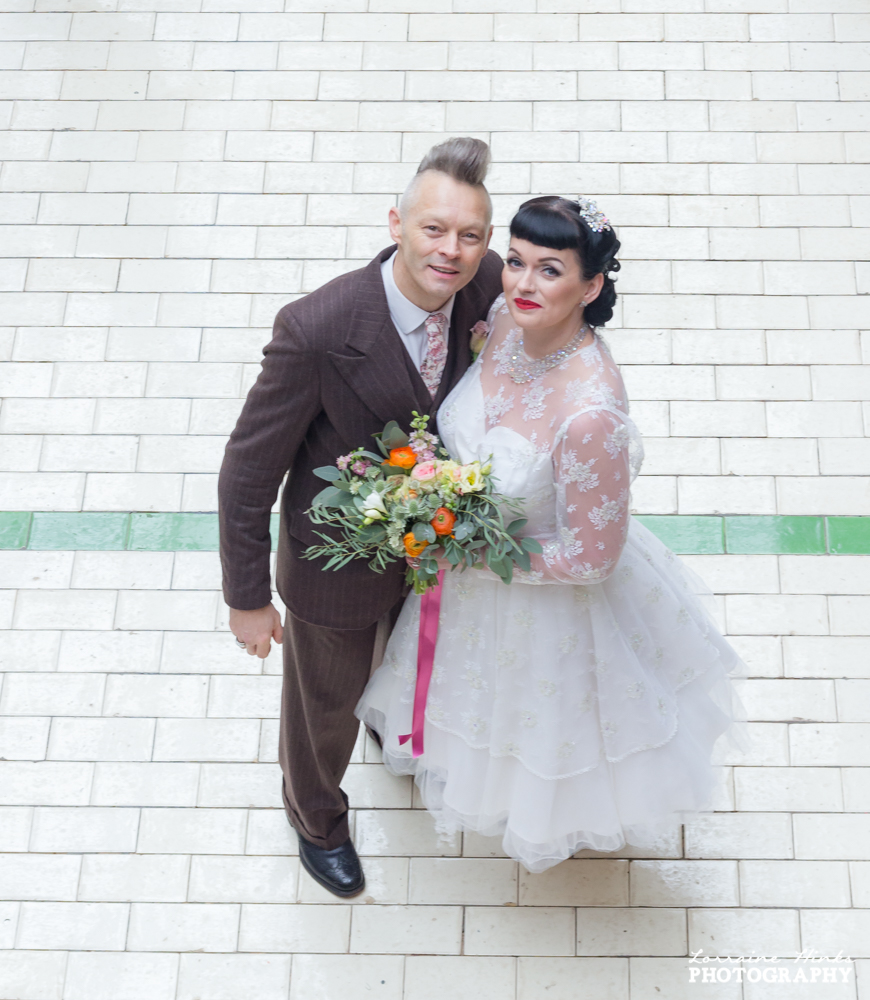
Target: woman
{"type": "Point", "coordinates": [578, 706]}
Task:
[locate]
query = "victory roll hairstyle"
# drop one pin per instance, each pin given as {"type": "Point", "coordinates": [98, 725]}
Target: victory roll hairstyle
{"type": "Point", "coordinates": [551, 221]}
{"type": "Point", "coordinates": [464, 159]}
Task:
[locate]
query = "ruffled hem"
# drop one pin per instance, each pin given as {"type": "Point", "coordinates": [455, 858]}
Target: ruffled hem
{"type": "Point", "coordinates": [638, 801]}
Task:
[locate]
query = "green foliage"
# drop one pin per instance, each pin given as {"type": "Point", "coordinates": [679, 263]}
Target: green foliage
{"type": "Point", "coordinates": [424, 532]}
{"type": "Point", "coordinates": [481, 535]}
{"type": "Point", "coordinates": [392, 436]}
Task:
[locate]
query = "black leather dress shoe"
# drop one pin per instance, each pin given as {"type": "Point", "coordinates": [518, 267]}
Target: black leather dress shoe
{"type": "Point", "coordinates": [375, 735]}
{"type": "Point", "coordinates": [337, 870]}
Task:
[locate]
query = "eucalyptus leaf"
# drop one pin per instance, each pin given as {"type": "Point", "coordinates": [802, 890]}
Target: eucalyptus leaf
{"type": "Point", "coordinates": [502, 567]}
{"type": "Point", "coordinates": [372, 533]}
{"type": "Point", "coordinates": [327, 497]}
{"type": "Point", "coordinates": [424, 532]}
{"type": "Point", "coordinates": [328, 472]}
{"type": "Point", "coordinates": [531, 545]}
{"type": "Point", "coordinates": [517, 525]}
{"type": "Point", "coordinates": [523, 561]}
{"type": "Point", "coordinates": [393, 436]}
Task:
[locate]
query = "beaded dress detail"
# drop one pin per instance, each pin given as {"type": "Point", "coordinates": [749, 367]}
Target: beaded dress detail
{"type": "Point", "coordinates": [578, 706]}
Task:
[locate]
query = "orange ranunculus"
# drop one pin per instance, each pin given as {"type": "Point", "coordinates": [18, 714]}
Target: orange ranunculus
{"type": "Point", "coordinates": [443, 521]}
{"type": "Point", "coordinates": [403, 457]}
{"type": "Point", "coordinates": [412, 546]}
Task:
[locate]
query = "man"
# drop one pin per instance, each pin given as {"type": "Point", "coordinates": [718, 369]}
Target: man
{"type": "Point", "coordinates": [366, 348]}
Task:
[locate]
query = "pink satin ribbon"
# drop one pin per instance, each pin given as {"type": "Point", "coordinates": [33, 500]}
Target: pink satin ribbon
{"type": "Point", "coordinates": [430, 608]}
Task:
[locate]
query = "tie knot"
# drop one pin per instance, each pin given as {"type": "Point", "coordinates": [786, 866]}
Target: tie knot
{"type": "Point", "coordinates": [436, 322]}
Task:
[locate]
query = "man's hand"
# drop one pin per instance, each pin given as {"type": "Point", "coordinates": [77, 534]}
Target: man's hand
{"type": "Point", "coordinates": [257, 629]}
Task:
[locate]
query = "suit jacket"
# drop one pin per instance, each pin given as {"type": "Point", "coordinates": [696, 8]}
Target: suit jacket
{"type": "Point", "coordinates": [335, 372]}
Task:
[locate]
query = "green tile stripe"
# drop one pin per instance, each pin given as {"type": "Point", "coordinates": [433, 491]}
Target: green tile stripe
{"type": "Point", "coordinates": [687, 534]}
{"type": "Point", "coordinates": [775, 534]}
{"type": "Point", "coordinates": [848, 534]}
{"type": "Point", "coordinates": [108, 531]}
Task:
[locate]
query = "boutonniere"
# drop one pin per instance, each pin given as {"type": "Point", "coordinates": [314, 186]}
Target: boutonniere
{"type": "Point", "coordinates": [479, 333]}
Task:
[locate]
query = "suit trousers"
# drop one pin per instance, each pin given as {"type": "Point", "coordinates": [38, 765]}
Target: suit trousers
{"type": "Point", "coordinates": [325, 673]}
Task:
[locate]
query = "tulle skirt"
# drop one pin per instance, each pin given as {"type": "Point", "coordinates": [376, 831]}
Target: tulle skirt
{"type": "Point", "coordinates": [564, 717]}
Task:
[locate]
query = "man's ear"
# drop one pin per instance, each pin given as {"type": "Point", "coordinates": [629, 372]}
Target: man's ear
{"type": "Point", "coordinates": [395, 222]}
{"type": "Point", "coordinates": [489, 236]}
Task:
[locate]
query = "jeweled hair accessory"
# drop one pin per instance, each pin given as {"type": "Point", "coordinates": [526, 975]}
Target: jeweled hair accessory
{"type": "Point", "coordinates": [589, 212]}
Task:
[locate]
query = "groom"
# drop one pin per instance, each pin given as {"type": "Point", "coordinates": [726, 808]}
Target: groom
{"type": "Point", "coordinates": [366, 348]}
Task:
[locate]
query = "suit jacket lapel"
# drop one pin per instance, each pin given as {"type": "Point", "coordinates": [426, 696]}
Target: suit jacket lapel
{"type": "Point", "coordinates": [376, 365]}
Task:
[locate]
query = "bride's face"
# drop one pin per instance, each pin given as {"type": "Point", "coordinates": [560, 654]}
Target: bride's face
{"type": "Point", "coordinates": [544, 287]}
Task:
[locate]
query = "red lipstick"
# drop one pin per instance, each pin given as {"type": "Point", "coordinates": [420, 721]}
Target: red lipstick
{"type": "Point", "coordinates": [526, 304]}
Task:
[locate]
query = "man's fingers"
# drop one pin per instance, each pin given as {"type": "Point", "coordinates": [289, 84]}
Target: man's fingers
{"type": "Point", "coordinates": [260, 643]}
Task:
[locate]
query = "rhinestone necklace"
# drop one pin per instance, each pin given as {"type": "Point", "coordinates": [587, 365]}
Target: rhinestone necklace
{"type": "Point", "coordinates": [521, 368]}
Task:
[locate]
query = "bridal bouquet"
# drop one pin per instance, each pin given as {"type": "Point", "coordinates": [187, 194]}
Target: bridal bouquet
{"type": "Point", "coordinates": [412, 502]}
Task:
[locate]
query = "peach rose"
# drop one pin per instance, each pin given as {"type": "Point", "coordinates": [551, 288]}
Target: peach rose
{"type": "Point", "coordinates": [423, 472]}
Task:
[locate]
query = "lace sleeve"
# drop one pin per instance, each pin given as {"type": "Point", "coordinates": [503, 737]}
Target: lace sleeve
{"type": "Point", "coordinates": [592, 473]}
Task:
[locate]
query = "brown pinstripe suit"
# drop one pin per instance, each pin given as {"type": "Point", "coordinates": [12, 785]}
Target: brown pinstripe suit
{"type": "Point", "coordinates": [334, 373]}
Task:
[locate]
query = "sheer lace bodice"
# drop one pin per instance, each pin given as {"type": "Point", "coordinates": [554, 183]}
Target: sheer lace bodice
{"type": "Point", "coordinates": [564, 442]}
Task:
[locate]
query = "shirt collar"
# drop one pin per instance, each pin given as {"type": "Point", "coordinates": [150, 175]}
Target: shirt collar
{"type": "Point", "coordinates": [405, 315]}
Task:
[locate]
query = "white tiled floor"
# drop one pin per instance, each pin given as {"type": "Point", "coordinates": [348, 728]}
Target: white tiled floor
{"type": "Point", "coordinates": [173, 172]}
{"type": "Point", "coordinates": [147, 855]}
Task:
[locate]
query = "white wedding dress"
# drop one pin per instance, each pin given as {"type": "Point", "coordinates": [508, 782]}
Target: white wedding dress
{"type": "Point", "coordinates": [578, 706]}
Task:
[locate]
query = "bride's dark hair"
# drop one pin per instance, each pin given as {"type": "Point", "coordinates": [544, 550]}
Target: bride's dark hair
{"type": "Point", "coordinates": [551, 221]}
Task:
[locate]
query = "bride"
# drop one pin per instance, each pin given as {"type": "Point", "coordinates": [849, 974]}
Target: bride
{"type": "Point", "coordinates": [578, 706]}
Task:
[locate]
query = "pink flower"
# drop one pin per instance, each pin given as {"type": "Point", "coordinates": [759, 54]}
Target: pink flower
{"type": "Point", "coordinates": [359, 466]}
{"type": "Point", "coordinates": [343, 461]}
{"type": "Point", "coordinates": [423, 472]}
{"type": "Point", "coordinates": [421, 442]}
{"type": "Point", "coordinates": [479, 333]}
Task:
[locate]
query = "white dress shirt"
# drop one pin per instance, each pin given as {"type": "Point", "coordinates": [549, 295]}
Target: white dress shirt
{"type": "Point", "coordinates": [407, 318]}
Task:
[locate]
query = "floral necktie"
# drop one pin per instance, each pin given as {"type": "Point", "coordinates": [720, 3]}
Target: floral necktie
{"type": "Point", "coordinates": [436, 351]}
